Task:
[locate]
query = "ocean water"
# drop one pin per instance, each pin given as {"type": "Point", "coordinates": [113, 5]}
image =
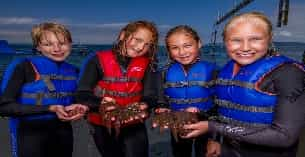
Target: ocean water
{"type": "Point", "coordinates": [159, 142]}
{"type": "Point", "coordinates": [215, 54]}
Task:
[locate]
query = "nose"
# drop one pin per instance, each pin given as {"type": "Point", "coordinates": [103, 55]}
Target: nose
{"type": "Point", "coordinates": [56, 47]}
{"type": "Point", "coordinates": [245, 45]}
{"type": "Point", "coordinates": [140, 46]}
{"type": "Point", "coordinates": [182, 51]}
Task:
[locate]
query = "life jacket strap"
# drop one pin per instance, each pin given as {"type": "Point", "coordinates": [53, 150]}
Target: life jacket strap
{"type": "Point", "coordinates": [187, 101]}
{"type": "Point", "coordinates": [58, 77]}
{"type": "Point", "coordinates": [40, 96]}
{"type": "Point", "coordinates": [231, 105]}
{"type": "Point", "coordinates": [121, 79]}
{"type": "Point", "coordinates": [187, 84]}
{"type": "Point", "coordinates": [99, 92]}
{"type": "Point", "coordinates": [226, 82]}
{"type": "Point", "coordinates": [228, 120]}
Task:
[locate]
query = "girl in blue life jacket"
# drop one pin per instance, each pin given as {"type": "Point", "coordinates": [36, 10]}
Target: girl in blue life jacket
{"type": "Point", "coordinates": [37, 93]}
{"type": "Point", "coordinates": [260, 95]}
{"type": "Point", "coordinates": [185, 84]}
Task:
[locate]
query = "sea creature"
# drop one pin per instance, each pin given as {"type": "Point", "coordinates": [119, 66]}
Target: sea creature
{"type": "Point", "coordinates": [116, 116]}
{"type": "Point", "coordinates": [174, 121]}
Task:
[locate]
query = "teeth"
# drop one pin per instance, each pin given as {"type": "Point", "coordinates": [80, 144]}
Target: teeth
{"type": "Point", "coordinates": [246, 54]}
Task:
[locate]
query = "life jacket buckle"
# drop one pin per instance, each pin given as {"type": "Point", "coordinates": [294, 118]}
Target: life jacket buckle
{"type": "Point", "coordinates": [53, 77]}
{"type": "Point", "coordinates": [183, 83]}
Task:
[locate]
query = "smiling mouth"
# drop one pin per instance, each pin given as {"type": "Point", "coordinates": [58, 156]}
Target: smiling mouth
{"type": "Point", "coordinates": [58, 54]}
{"type": "Point", "coordinates": [245, 54]}
{"type": "Point", "coordinates": [184, 57]}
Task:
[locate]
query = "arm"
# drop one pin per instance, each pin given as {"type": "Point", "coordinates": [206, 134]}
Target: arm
{"type": "Point", "coordinates": [90, 73]}
{"type": "Point", "coordinates": [149, 87]}
{"type": "Point", "coordinates": [23, 73]}
{"type": "Point", "coordinates": [152, 89]}
{"type": "Point", "coordinates": [288, 82]}
{"type": "Point", "coordinates": [162, 101]}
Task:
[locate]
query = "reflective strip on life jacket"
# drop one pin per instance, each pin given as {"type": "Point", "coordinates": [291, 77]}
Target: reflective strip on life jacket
{"type": "Point", "coordinates": [226, 82]}
{"type": "Point", "coordinates": [187, 101]}
{"type": "Point", "coordinates": [240, 123]}
{"type": "Point", "coordinates": [187, 84]}
{"type": "Point", "coordinates": [231, 105]}
{"type": "Point", "coordinates": [99, 92]}
{"type": "Point", "coordinates": [121, 79]}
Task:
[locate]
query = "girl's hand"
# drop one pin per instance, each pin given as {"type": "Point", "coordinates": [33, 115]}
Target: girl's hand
{"type": "Point", "coordinates": [109, 100]}
{"type": "Point", "coordinates": [196, 129]}
{"type": "Point", "coordinates": [192, 110]}
{"type": "Point", "coordinates": [76, 111]}
{"type": "Point", "coordinates": [162, 110]}
{"type": "Point", "coordinates": [213, 149]}
{"type": "Point", "coordinates": [60, 112]}
{"type": "Point", "coordinates": [143, 106]}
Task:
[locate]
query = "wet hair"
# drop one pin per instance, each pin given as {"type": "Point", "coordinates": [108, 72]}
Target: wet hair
{"type": "Point", "coordinates": [250, 16]}
{"type": "Point", "coordinates": [182, 29]}
{"type": "Point", "coordinates": [58, 29]}
{"type": "Point", "coordinates": [131, 28]}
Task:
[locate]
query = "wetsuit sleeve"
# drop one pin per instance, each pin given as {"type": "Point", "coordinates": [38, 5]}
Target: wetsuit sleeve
{"type": "Point", "coordinates": [90, 74]}
{"type": "Point", "coordinates": [162, 102]}
{"type": "Point", "coordinates": [23, 73]}
{"type": "Point", "coordinates": [288, 83]}
{"type": "Point", "coordinates": [150, 88]}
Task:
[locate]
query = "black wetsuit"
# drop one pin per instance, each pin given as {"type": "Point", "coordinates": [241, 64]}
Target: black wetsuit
{"type": "Point", "coordinates": [184, 147]}
{"type": "Point", "coordinates": [132, 140]}
{"type": "Point", "coordinates": [279, 139]}
{"type": "Point", "coordinates": [35, 138]}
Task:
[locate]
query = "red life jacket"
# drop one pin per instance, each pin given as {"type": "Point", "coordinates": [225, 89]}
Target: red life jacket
{"type": "Point", "coordinates": [124, 87]}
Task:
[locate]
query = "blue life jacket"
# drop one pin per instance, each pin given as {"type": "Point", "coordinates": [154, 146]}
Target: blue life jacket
{"type": "Point", "coordinates": [191, 89]}
{"type": "Point", "coordinates": [238, 97]}
{"type": "Point", "coordinates": [54, 84]}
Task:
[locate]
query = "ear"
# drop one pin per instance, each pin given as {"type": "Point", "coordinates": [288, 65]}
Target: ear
{"type": "Point", "coordinates": [38, 48]}
{"type": "Point", "coordinates": [199, 44]}
{"type": "Point", "coordinates": [122, 35]}
{"type": "Point", "coordinates": [271, 38]}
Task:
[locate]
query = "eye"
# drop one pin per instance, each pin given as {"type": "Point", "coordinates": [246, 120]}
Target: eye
{"type": "Point", "coordinates": [45, 44]}
{"type": "Point", "coordinates": [173, 48]}
{"type": "Point", "coordinates": [188, 45]}
{"type": "Point", "coordinates": [137, 40]}
{"type": "Point", "coordinates": [235, 40]}
{"type": "Point", "coordinates": [63, 43]}
{"type": "Point", "coordinates": [255, 39]}
{"type": "Point", "coordinates": [148, 45]}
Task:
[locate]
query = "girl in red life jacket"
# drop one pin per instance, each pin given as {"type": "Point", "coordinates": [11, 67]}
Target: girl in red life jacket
{"type": "Point", "coordinates": [122, 75]}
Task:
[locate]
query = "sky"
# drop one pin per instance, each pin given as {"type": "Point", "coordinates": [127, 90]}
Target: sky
{"type": "Point", "coordinates": [99, 21]}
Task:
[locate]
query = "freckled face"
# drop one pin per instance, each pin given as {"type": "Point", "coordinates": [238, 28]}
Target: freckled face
{"type": "Point", "coordinates": [247, 41]}
{"type": "Point", "coordinates": [183, 48]}
{"type": "Point", "coordinates": [54, 47]}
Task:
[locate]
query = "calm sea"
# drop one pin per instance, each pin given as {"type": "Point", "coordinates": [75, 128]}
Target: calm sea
{"type": "Point", "coordinates": [215, 54]}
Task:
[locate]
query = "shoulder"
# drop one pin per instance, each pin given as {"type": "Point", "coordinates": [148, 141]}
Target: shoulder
{"type": "Point", "coordinates": [20, 64]}
{"type": "Point", "coordinates": [91, 59]}
{"type": "Point", "coordinates": [289, 70]}
{"type": "Point", "coordinates": [167, 66]}
{"type": "Point", "coordinates": [208, 65]}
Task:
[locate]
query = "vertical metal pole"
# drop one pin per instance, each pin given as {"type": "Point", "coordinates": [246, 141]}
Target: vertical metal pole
{"type": "Point", "coordinates": [285, 12]}
{"type": "Point", "coordinates": [280, 14]}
